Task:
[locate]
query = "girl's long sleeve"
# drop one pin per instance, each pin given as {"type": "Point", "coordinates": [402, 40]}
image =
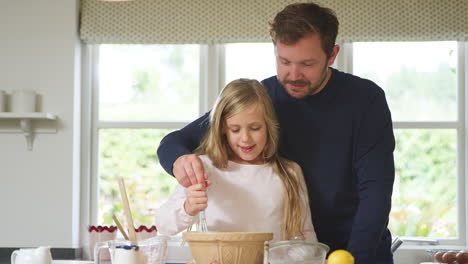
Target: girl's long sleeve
{"type": "Point", "coordinates": [171, 217]}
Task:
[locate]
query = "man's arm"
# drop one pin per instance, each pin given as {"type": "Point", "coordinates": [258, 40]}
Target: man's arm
{"type": "Point", "coordinates": [374, 167]}
{"type": "Point", "coordinates": [181, 142]}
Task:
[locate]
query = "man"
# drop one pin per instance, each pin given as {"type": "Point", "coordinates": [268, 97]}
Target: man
{"type": "Point", "coordinates": [336, 126]}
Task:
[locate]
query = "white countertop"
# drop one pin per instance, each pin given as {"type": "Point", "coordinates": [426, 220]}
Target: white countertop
{"type": "Point", "coordinates": [72, 262]}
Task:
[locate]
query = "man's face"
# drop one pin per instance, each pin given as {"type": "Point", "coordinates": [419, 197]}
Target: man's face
{"type": "Point", "coordinates": [302, 67]}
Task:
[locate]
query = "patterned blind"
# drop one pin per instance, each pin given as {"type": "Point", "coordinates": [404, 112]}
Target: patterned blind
{"type": "Point", "coordinates": [226, 21]}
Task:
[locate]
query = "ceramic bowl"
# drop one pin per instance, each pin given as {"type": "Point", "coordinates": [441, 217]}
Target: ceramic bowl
{"type": "Point", "coordinates": [227, 247]}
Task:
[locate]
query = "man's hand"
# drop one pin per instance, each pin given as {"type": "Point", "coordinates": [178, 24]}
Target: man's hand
{"type": "Point", "coordinates": [188, 170]}
{"type": "Point", "coordinates": [196, 200]}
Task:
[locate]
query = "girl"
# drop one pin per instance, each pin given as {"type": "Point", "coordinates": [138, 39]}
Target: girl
{"type": "Point", "coordinates": [250, 187]}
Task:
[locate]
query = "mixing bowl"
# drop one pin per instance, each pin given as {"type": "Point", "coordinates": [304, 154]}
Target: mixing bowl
{"type": "Point", "coordinates": [297, 252]}
{"type": "Point", "coordinates": [227, 247]}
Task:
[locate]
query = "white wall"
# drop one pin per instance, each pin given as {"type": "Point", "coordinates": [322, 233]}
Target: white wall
{"type": "Point", "coordinates": [39, 189]}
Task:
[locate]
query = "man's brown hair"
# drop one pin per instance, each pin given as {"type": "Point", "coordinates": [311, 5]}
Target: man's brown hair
{"type": "Point", "coordinates": [297, 20]}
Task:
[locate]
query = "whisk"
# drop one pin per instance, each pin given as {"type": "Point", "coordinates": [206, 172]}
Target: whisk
{"type": "Point", "coordinates": [202, 226]}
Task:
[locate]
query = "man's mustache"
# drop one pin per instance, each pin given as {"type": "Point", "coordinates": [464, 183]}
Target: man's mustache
{"type": "Point", "coordinates": [297, 82]}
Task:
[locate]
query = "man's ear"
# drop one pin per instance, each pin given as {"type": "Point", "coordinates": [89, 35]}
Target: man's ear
{"type": "Point", "coordinates": [333, 55]}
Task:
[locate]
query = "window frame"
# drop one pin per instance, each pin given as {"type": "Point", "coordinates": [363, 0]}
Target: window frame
{"type": "Point", "coordinates": [345, 63]}
{"type": "Point", "coordinates": [211, 81]}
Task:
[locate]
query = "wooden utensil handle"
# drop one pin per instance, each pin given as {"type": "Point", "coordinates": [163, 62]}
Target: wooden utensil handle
{"type": "Point", "coordinates": [120, 227]}
{"type": "Point", "coordinates": [128, 212]}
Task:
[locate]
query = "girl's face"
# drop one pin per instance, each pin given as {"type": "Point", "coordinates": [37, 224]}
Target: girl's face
{"type": "Point", "coordinates": [246, 133]}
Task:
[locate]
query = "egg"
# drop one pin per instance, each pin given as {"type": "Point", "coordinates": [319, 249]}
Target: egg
{"type": "Point", "coordinates": [449, 257]}
{"type": "Point", "coordinates": [462, 257]}
{"type": "Point", "coordinates": [438, 256]}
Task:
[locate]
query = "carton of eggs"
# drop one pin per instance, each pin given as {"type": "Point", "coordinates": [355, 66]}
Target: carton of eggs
{"type": "Point", "coordinates": [449, 256]}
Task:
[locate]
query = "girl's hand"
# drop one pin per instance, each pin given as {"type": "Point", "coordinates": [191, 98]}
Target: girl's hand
{"type": "Point", "coordinates": [197, 199]}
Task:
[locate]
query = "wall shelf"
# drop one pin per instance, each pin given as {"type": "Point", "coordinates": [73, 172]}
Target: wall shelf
{"type": "Point", "coordinates": [25, 120]}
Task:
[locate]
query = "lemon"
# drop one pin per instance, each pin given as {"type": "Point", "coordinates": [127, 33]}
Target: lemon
{"type": "Point", "coordinates": [340, 256]}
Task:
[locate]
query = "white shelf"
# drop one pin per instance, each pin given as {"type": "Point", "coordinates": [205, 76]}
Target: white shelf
{"type": "Point", "coordinates": [8, 115]}
{"type": "Point", "coordinates": [25, 120]}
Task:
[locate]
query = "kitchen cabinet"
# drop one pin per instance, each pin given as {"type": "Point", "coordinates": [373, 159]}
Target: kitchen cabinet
{"type": "Point", "coordinates": [25, 125]}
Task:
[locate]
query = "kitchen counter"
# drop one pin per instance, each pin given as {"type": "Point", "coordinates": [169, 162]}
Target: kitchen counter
{"type": "Point", "coordinates": [57, 253]}
{"type": "Point", "coordinates": [176, 255]}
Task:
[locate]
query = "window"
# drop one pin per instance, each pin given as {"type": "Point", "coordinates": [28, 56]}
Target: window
{"type": "Point", "coordinates": [145, 92]}
{"type": "Point", "coordinates": [249, 60]}
{"type": "Point", "coordinates": [420, 80]}
{"type": "Point", "coordinates": [142, 82]}
{"type": "Point", "coordinates": [424, 85]}
{"type": "Point", "coordinates": [137, 85]}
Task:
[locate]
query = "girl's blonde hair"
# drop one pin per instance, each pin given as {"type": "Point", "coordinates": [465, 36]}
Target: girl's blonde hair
{"type": "Point", "coordinates": [235, 97]}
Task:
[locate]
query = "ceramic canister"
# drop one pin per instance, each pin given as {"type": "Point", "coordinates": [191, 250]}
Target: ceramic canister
{"type": "Point", "coordinates": [23, 101]}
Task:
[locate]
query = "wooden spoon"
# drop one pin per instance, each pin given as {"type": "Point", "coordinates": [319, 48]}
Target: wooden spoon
{"type": "Point", "coordinates": [128, 212]}
{"type": "Point", "coordinates": [120, 227]}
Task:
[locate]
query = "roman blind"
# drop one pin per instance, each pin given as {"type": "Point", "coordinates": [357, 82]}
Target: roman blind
{"type": "Point", "coordinates": [227, 21]}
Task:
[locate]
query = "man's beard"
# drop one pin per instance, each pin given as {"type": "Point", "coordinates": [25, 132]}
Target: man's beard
{"type": "Point", "coordinates": [310, 89]}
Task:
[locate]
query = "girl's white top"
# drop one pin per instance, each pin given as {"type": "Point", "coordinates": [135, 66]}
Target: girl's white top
{"type": "Point", "coordinates": [242, 197]}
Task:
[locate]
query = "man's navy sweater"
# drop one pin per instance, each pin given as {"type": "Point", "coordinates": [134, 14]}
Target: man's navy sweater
{"type": "Point", "coordinates": [342, 137]}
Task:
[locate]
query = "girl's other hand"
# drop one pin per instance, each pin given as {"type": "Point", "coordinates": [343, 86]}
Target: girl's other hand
{"type": "Point", "coordinates": [197, 199]}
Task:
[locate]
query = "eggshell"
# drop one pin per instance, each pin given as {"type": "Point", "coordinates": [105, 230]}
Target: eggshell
{"type": "Point", "coordinates": [438, 256]}
{"type": "Point", "coordinates": [462, 257]}
{"type": "Point", "coordinates": [449, 257]}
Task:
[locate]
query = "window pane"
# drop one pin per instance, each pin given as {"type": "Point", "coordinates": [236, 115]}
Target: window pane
{"type": "Point", "coordinates": [131, 154]}
{"type": "Point", "coordinates": [145, 82]}
{"type": "Point", "coordinates": [425, 190]}
{"type": "Point", "coordinates": [419, 78]}
{"type": "Point", "coordinates": [250, 60]}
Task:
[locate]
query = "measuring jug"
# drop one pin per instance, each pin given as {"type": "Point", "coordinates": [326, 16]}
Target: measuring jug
{"type": "Point", "coordinates": [149, 251]}
{"type": "Point", "coordinates": [296, 252]}
{"type": "Point", "coordinates": [40, 255]}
